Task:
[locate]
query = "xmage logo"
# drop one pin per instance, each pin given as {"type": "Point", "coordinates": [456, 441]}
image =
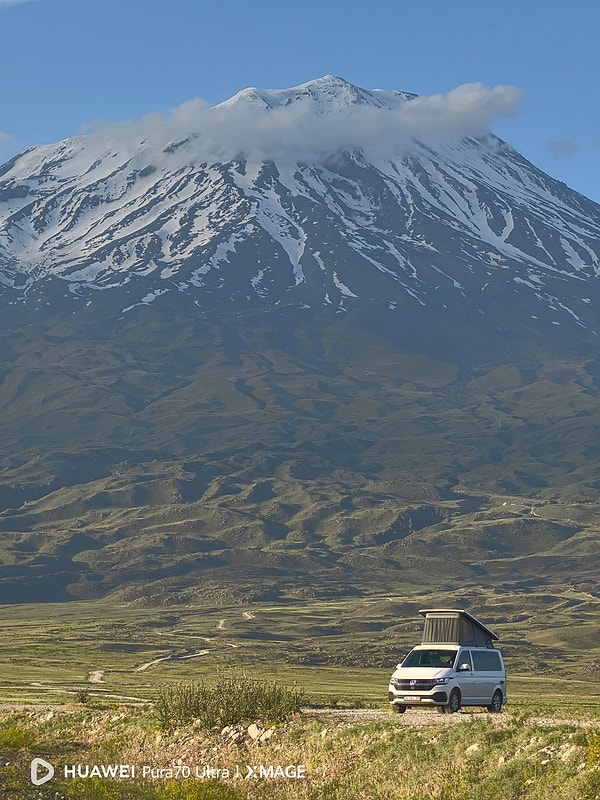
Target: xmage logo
{"type": "Point", "coordinates": [37, 776]}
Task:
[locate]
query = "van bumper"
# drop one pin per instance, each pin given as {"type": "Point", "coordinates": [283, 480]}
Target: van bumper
{"type": "Point", "coordinates": [406, 699]}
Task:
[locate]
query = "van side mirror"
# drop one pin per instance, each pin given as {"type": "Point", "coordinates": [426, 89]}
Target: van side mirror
{"type": "Point", "coordinates": [463, 668]}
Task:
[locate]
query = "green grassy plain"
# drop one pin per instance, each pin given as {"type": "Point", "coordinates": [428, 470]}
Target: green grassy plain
{"type": "Point", "coordinates": [340, 652]}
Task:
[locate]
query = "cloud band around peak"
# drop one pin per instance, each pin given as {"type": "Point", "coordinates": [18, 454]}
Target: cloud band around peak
{"type": "Point", "coordinates": [299, 131]}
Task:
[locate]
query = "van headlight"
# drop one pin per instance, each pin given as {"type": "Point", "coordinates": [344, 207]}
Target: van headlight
{"type": "Point", "coordinates": [441, 681]}
{"type": "Point", "coordinates": [395, 682]}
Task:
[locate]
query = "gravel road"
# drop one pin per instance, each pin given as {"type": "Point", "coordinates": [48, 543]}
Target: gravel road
{"type": "Point", "coordinates": [419, 717]}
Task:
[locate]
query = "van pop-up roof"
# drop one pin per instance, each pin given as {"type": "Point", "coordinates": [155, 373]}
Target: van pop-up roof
{"type": "Point", "coordinates": [455, 626]}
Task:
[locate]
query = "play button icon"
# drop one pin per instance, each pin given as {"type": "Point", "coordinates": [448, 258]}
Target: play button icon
{"type": "Point", "coordinates": [41, 771]}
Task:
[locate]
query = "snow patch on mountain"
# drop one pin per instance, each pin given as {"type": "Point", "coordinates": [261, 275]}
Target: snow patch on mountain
{"type": "Point", "coordinates": [324, 193]}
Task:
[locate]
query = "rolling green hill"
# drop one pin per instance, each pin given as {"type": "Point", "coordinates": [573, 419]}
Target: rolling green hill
{"type": "Point", "coordinates": [174, 454]}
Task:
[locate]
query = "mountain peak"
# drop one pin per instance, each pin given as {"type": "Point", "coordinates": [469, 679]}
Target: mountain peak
{"type": "Point", "coordinates": [326, 94]}
{"type": "Point", "coordinates": [323, 194]}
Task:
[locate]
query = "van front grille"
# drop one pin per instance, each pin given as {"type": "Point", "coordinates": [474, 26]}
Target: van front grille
{"type": "Point", "coordinates": [413, 686]}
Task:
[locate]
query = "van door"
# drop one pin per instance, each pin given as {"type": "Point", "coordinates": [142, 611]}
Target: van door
{"type": "Point", "coordinates": [464, 679]}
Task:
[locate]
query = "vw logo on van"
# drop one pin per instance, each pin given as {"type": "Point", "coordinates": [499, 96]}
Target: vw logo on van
{"type": "Point", "coordinates": [413, 683]}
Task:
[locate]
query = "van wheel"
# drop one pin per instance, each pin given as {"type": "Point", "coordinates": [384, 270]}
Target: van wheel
{"type": "Point", "coordinates": [496, 705]}
{"type": "Point", "coordinates": [453, 702]}
{"type": "Point", "coordinates": [397, 709]}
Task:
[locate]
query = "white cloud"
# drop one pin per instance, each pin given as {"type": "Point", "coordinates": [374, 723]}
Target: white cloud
{"type": "Point", "coordinates": [298, 131]}
{"type": "Point", "coordinates": [468, 110]}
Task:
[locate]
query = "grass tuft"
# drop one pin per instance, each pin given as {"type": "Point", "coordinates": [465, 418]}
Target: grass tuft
{"type": "Point", "coordinates": [231, 700]}
{"type": "Point", "coordinates": [593, 748]}
{"type": "Point", "coordinates": [98, 789]}
{"type": "Point", "coordinates": [16, 738]}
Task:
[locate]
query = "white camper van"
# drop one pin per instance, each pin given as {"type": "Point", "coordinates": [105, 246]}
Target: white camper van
{"type": "Point", "coordinates": [455, 665]}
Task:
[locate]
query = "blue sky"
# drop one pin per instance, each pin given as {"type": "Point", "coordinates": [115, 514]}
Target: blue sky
{"type": "Point", "coordinates": [66, 64]}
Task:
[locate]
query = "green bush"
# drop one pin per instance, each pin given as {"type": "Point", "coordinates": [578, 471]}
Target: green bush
{"type": "Point", "coordinates": [229, 701]}
{"type": "Point", "coordinates": [82, 696]}
{"type": "Point", "coordinates": [593, 748]}
{"type": "Point", "coordinates": [16, 738]}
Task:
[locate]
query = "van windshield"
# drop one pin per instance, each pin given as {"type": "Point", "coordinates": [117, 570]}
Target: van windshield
{"type": "Point", "coordinates": [430, 658]}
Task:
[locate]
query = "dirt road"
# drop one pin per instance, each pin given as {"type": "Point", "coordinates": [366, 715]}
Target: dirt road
{"type": "Point", "coordinates": [419, 717]}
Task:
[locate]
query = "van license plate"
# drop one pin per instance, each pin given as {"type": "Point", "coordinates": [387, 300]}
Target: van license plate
{"type": "Point", "coordinates": [412, 697]}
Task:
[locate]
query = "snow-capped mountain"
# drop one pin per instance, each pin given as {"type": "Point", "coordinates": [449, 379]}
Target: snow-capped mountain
{"type": "Point", "coordinates": [316, 339]}
{"type": "Point", "coordinates": [319, 195]}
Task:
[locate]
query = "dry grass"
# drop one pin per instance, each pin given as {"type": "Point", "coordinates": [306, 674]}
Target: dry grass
{"type": "Point", "coordinates": [468, 756]}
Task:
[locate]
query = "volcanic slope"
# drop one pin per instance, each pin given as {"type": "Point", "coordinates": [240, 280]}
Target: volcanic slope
{"type": "Point", "coordinates": [254, 374]}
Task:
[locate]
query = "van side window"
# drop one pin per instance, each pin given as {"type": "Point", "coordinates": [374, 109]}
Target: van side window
{"type": "Point", "coordinates": [488, 661]}
{"type": "Point", "coordinates": [464, 657]}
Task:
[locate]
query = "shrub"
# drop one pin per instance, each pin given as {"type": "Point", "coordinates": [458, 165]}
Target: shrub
{"type": "Point", "coordinates": [82, 696]}
{"type": "Point", "coordinates": [229, 701]}
{"type": "Point", "coordinates": [593, 748]}
{"type": "Point", "coordinates": [16, 738]}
